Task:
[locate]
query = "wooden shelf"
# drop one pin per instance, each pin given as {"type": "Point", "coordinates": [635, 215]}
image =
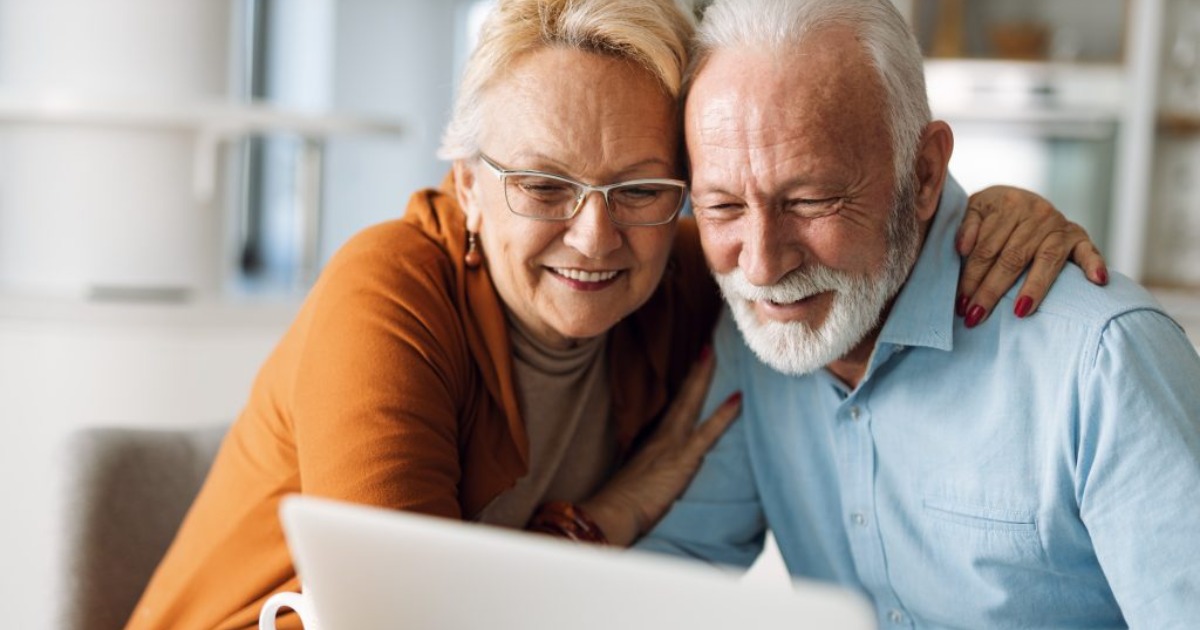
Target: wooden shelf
{"type": "Point", "coordinates": [1177, 123]}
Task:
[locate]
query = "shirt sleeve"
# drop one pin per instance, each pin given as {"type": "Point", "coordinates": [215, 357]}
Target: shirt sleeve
{"type": "Point", "coordinates": [719, 518]}
{"type": "Point", "coordinates": [1138, 475]}
{"type": "Point", "coordinates": [378, 383]}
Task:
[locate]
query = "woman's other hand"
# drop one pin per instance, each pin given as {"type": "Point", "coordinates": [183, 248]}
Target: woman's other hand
{"type": "Point", "coordinates": [642, 491]}
{"type": "Point", "coordinates": [1007, 230]}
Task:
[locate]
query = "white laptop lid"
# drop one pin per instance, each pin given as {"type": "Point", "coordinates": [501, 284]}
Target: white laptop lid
{"type": "Point", "coordinates": [365, 568]}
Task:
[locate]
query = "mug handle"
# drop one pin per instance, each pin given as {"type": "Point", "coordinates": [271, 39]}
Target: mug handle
{"type": "Point", "coordinates": [284, 599]}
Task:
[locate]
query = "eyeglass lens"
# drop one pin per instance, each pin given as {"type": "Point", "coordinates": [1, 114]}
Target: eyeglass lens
{"type": "Point", "coordinates": [549, 198]}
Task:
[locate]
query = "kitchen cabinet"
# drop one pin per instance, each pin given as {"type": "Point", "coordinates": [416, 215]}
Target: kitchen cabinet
{"type": "Point", "coordinates": [1036, 94]}
{"type": "Point", "coordinates": [1093, 103]}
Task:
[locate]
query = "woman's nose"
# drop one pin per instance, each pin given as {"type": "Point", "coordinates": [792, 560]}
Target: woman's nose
{"type": "Point", "coordinates": [591, 232]}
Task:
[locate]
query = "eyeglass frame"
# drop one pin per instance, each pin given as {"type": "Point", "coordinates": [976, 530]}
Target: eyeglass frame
{"type": "Point", "coordinates": [502, 174]}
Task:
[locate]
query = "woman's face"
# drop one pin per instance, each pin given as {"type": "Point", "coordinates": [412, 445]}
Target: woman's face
{"type": "Point", "coordinates": [594, 119]}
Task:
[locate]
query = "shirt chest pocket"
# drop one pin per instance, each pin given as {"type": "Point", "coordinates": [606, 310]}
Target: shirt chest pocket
{"type": "Point", "coordinates": [982, 535]}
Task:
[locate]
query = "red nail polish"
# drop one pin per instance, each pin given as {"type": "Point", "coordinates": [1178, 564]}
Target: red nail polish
{"type": "Point", "coordinates": [1024, 305]}
{"type": "Point", "coordinates": [734, 398]}
{"type": "Point", "coordinates": [705, 352]}
{"type": "Point", "coordinates": [1103, 276]}
{"type": "Point", "coordinates": [975, 315]}
{"type": "Point", "coordinates": [960, 307]}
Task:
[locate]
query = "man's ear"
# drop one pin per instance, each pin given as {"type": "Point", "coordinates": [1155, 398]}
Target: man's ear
{"type": "Point", "coordinates": [932, 166]}
{"type": "Point", "coordinates": [464, 190]}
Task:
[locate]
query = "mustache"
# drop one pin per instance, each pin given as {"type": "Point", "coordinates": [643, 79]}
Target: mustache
{"type": "Point", "coordinates": [795, 286]}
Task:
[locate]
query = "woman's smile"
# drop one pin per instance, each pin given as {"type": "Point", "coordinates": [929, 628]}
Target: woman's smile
{"type": "Point", "coordinates": [584, 280]}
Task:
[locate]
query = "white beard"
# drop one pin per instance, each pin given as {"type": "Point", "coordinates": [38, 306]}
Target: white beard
{"type": "Point", "coordinates": [796, 348]}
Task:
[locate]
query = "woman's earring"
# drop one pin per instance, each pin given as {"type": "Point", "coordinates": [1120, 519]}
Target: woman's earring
{"type": "Point", "coordinates": [473, 257]}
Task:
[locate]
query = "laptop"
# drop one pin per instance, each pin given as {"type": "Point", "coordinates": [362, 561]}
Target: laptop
{"type": "Point", "coordinates": [364, 568]}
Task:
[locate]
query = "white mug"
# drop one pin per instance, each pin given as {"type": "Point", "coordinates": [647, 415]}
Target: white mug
{"type": "Point", "coordinates": [287, 599]}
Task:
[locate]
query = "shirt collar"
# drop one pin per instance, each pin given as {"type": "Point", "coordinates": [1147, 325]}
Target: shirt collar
{"type": "Point", "coordinates": [923, 314]}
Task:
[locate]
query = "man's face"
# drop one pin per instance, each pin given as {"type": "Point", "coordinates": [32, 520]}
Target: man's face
{"type": "Point", "coordinates": [774, 139]}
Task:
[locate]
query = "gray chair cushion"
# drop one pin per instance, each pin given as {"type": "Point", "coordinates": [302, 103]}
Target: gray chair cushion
{"type": "Point", "coordinates": [128, 490]}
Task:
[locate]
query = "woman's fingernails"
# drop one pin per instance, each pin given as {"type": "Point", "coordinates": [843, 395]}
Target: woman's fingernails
{"type": "Point", "coordinates": [960, 307]}
{"type": "Point", "coordinates": [1102, 276]}
{"type": "Point", "coordinates": [1024, 305]}
{"type": "Point", "coordinates": [975, 315]}
{"type": "Point", "coordinates": [734, 398]}
{"type": "Point", "coordinates": [705, 352]}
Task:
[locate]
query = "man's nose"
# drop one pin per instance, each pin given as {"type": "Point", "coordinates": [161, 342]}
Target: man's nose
{"type": "Point", "coordinates": [769, 251]}
{"type": "Point", "coordinates": [591, 232]}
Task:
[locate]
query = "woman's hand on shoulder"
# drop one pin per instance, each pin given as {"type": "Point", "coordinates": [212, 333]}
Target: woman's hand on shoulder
{"type": "Point", "coordinates": [643, 490]}
{"type": "Point", "coordinates": [1007, 230]}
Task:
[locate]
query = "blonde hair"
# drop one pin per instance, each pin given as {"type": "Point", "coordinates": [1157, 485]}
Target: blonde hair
{"type": "Point", "coordinates": [654, 34]}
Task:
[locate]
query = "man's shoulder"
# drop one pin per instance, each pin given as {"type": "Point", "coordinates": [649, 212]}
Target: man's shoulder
{"type": "Point", "coordinates": [1074, 299]}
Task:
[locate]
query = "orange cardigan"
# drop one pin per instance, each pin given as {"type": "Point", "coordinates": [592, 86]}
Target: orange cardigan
{"type": "Point", "coordinates": [394, 387]}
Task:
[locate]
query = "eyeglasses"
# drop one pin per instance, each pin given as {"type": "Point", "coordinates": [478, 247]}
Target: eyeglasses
{"type": "Point", "coordinates": [546, 197]}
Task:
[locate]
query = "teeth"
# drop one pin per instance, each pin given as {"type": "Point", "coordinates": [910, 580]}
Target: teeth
{"type": "Point", "coordinates": [586, 276]}
{"type": "Point", "coordinates": [790, 302]}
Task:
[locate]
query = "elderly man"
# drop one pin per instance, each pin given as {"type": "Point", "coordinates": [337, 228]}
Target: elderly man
{"type": "Point", "coordinates": [1035, 474]}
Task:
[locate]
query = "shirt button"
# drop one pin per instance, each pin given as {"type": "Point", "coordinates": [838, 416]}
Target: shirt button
{"type": "Point", "coordinates": [855, 412]}
{"type": "Point", "coordinates": [895, 616]}
{"type": "Point", "coordinates": [858, 519]}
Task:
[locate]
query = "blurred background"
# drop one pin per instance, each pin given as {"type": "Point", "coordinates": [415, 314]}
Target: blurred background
{"type": "Point", "coordinates": [173, 174]}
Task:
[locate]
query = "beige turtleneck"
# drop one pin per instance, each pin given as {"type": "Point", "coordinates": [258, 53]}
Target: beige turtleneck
{"type": "Point", "coordinates": [565, 401]}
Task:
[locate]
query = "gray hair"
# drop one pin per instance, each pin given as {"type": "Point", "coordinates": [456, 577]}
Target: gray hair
{"type": "Point", "coordinates": [781, 25]}
{"type": "Point", "coordinates": [654, 34]}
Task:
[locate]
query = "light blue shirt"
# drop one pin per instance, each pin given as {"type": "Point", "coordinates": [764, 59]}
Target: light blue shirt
{"type": "Point", "coordinates": [1026, 473]}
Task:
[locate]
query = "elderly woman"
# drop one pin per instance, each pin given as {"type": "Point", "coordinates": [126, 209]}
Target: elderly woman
{"type": "Point", "coordinates": [495, 355]}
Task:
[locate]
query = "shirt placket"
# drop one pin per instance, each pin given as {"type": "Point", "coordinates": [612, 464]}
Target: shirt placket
{"type": "Point", "coordinates": [856, 459]}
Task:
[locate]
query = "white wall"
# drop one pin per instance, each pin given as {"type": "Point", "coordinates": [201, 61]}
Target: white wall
{"type": "Point", "coordinates": [82, 206]}
{"type": "Point", "coordinates": [65, 365]}
{"type": "Point", "coordinates": [393, 58]}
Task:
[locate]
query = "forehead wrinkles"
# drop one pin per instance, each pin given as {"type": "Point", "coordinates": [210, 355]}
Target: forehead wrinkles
{"type": "Point", "coordinates": [747, 139]}
{"type": "Point", "coordinates": [817, 104]}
